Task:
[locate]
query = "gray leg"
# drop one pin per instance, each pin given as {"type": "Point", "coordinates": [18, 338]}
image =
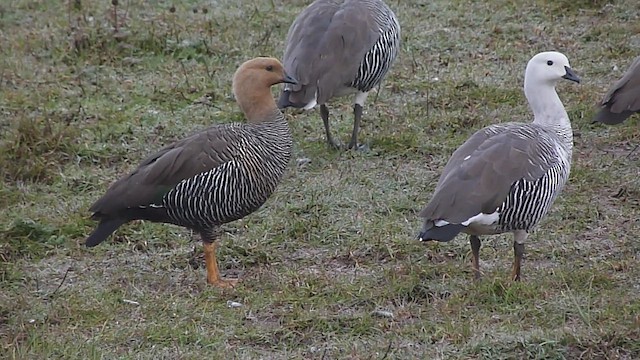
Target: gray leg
{"type": "Point", "coordinates": [324, 114]}
{"type": "Point", "coordinates": [357, 116]}
{"type": "Point", "coordinates": [519, 238]}
{"type": "Point", "coordinates": [475, 251]}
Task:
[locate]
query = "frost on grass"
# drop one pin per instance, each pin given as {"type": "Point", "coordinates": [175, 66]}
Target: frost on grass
{"type": "Point", "coordinates": [333, 252]}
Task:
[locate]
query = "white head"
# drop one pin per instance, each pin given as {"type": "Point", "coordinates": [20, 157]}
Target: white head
{"type": "Point", "coordinates": [548, 68]}
{"type": "Point", "coordinates": [543, 73]}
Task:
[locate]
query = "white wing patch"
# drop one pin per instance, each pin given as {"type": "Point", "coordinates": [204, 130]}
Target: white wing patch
{"type": "Point", "coordinates": [482, 219]}
{"type": "Point", "coordinates": [312, 103]}
{"type": "Point", "coordinates": [440, 223]}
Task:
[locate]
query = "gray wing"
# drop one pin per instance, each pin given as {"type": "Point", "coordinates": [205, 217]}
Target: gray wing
{"type": "Point", "coordinates": [325, 46]}
{"type": "Point", "coordinates": [623, 99]}
{"type": "Point", "coordinates": [496, 157]}
{"type": "Point", "coordinates": [162, 171]}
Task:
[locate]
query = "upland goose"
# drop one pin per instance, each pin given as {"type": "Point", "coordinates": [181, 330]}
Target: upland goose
{"type": "Point", "coordinates": [213, 177]}
{"type": "Point", "coordinates": [336, 48]}
{"type": "Point", "coordinates": [623, 99]}
{"type": "Point", "coordinates": [505, 177]}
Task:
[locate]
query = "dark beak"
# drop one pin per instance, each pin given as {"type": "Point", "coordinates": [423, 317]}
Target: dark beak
{"type": "Point", "coordinates": [289, 80]}
{"type": "Point", "coordinates": [570, 75]}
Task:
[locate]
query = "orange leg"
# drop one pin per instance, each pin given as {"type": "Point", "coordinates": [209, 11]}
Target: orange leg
{"type": "Point", "coordinates": [213, 274]}
{"type": "Point", "coordinates": [475, 251]}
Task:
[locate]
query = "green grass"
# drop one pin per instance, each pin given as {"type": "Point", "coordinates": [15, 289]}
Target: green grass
{"type": "Point", "coordinates": [330, 267]}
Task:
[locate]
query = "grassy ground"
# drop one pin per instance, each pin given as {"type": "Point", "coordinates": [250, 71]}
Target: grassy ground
{"type": "Point", "coordinates": [330, 265]}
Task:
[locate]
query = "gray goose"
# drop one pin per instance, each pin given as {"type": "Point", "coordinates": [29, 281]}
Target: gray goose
{"type": "Point", "coordinates": [505, 177]}
{"type": "Point", "coordinates": [336, 48]}
{"type": "Point", "coordinates": [213, 177]}
{"type": "Point", "coordinates": [623, 99]}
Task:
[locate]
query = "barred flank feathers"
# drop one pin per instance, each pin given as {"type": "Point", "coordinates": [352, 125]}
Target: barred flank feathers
{"type": "Point", "coordinates": [236, 188]}
{"type": "Point", "coordinates": [378, 60]}
{"type": "Point", "coordinates": [529, 201]}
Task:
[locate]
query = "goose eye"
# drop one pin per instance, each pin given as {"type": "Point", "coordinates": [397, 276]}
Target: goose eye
{"type": "Point", "coordinates": [270, 68]}
{"type": "Point", "coordinates": [549, 62]}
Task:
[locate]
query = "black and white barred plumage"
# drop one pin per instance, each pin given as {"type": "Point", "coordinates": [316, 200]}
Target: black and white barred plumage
{"type": "Point", "coordinates": [215, 176]}
{"type": "Point", "coordinates": [529, 199]}
{"type": "Point", "coordinates": [240, 185]}
{"type": "Point", "coordinates": [337, 48]}
{"type": "Point", "coordinates": [505, 177]}
{"type": "Point", "coordinates": [530, 185]}
{"type": "Point", "coordinates": [203, 181]}
{"type": "Point", "coordinates": [378, 59]}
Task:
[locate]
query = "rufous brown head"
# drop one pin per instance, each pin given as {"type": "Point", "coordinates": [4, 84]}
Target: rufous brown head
{"type": "Point", "coordinates": [252, 83]}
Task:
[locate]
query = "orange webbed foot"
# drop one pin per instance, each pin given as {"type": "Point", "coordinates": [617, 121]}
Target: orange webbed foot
{"type": "Point", "coordinates": [223, 283]}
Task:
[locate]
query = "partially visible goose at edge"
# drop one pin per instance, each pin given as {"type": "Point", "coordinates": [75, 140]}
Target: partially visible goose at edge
{"type": "Point", "coordinates": [213, 177]}
{"type": "Point", "coordinates": [623, 99]}
{"type": "Point", "coordinates": [336, 48]}
{"type": "Point", "coordinates": [505, 177]}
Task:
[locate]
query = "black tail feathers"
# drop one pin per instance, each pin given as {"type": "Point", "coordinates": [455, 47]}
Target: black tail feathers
{"type": "Point", "coordinates": [607, 117]}
{"type": "Point", "coordinates": [439, 233]}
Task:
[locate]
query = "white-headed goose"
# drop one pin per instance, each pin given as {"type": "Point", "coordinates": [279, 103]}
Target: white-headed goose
{"type": "Point", "coordinates": [505, 177]}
